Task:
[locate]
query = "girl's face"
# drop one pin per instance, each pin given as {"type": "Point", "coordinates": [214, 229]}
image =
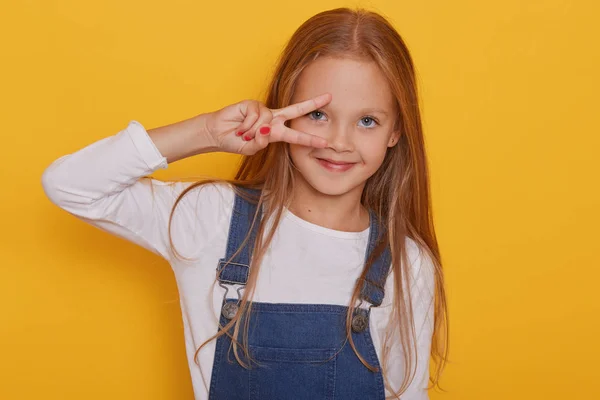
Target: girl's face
{"type": "Point", "coordinates": [358, 124]}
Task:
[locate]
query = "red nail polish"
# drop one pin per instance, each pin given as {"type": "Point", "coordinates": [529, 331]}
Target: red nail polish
{"type": "Point", "coordinates": [240, 133]}
{"type": "Point", "coordinates": [265, 129]}
{"type": "Point", "coordinates": [247, 138]}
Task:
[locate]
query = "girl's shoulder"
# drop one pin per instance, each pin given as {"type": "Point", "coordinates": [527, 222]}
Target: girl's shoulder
{"type": "Point", "coordinates": [418, 257]}
{"type": "Point", "coordinates": [207, 199]}
{"type": "Point", "coordinates": [422, 271]}
{"type": "Point", "coordinates": [206, 190]}
{"type": "Point", "coordinates": [420, 275]}
{"type": "Point", "coordinates": [201, 215]}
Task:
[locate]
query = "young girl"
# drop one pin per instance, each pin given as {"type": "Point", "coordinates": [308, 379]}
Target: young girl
{"type": "Point", "coordinates": [315, 273]}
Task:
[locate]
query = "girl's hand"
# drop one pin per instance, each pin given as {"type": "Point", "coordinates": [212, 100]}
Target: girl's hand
{"type": "Point", "coordinates": [249, 126]}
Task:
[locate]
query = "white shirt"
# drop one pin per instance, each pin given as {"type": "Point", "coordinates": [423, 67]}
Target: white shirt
{"type": "Point", "coordinates": [106, 184]}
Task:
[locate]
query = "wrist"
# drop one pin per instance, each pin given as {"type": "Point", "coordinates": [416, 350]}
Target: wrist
{"type": "Point", "coordinates": [205, 141]}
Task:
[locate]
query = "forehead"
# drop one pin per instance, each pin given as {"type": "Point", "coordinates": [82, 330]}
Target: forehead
{"type": "Point", "coordinates": [354, 84]}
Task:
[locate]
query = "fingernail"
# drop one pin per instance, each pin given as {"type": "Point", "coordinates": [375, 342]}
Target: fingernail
{"type": "Point", "coordinates": [247, 138]}
{"type": "Point", "coordinates": [265, 129]}
{"type": "Point", "coordinates": [240, 133]}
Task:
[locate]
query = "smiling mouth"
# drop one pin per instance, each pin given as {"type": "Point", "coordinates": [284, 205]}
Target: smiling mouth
{"type": "Point", "coordinates": [335, 166]}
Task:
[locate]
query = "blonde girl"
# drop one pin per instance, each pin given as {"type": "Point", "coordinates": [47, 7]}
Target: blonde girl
{"type": "Point", "coordinates": [315, 273]}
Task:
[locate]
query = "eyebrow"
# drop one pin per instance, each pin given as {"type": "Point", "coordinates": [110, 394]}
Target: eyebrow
{"type": "Point", "coordinates": [364, 110]}
{"type": "Point", "coordinates": [373, 111]}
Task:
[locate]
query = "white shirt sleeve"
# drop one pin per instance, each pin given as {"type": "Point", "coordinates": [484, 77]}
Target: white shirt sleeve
{"type": "Point", "coordinates": [106, 185]}
{"type": "Point", "coordinates": [422, 297]}
{"type": "Point", "coordinates": [422, 287]}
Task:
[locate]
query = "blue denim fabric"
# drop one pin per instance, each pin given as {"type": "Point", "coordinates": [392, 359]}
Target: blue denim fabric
{"type": "Point", "coordinates": [299, 351]}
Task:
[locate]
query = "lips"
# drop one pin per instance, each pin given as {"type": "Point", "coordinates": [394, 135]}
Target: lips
{"type": "Point", "coordinates": [335, 165]}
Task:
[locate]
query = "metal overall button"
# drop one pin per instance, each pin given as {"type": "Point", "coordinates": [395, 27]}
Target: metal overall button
{"type": "Point", "coordinates": [360, 321]}
{"type": "Point", "coordinates": [229, 310]}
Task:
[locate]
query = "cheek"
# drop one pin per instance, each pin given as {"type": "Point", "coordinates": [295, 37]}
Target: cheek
{"type": "Point", "coordinates": [373, 149]}
{"type": "Point", "coordinates": [299, 154]}
{"type": "Point", "coordinates": [305, 125]}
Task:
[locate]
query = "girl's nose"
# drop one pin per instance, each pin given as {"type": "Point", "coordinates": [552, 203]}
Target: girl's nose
{"type": "Point", "coordinates": [340, 139]}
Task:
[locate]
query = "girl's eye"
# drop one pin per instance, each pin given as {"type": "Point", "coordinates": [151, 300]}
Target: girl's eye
{"type": "Point", "coordinates": [317, 115]}
{"type": "Point", "coordinates": [368, 122]}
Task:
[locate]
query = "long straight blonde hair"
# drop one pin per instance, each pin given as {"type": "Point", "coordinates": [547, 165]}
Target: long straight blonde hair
{"type": "Point", "coordinates": [398, 192]}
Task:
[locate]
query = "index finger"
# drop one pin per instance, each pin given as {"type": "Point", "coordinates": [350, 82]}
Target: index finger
{"type": "Point", "coordinates": [302, 108]}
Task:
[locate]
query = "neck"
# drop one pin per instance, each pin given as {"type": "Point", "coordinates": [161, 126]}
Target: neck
{"type": "Point", "coordinates": [343, 213]}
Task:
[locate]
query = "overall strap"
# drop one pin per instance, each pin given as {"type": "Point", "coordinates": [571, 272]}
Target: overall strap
{"type": "Point", "coordinates": [373, 287]}
{"type": "Point", "coordinates": [236, 271]}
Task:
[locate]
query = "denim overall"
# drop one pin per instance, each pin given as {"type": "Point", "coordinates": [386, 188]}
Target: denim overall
{"type": "Point", "coordinates": [301, 349]}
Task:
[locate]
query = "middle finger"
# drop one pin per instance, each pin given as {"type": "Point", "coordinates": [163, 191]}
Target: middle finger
{"type": "Point", "coordinates": [281, 133]}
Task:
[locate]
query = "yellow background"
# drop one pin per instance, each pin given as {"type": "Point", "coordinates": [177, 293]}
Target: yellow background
{"type": "Point", "coordinates": [510, 96]}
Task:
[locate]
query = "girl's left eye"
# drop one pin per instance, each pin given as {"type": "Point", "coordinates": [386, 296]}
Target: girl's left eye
{"type": "Point", "coordinates": [317, 115]}
{"type": "Point", "coordinates": [368, 122]}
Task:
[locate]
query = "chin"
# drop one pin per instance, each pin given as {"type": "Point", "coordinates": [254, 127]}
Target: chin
{"type": "Point", "coordinates": [328, 189]}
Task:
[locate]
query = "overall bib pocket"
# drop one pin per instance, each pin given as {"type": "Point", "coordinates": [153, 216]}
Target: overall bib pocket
{"type": "Point", "coordinates": [292, 373]}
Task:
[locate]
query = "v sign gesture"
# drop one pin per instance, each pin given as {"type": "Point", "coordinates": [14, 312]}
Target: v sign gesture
{"type": "Point", "coordinates": [249, 126]}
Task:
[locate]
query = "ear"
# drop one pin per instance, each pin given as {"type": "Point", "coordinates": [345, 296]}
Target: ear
{"type": "Point", "coordinates": [394, 138]}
